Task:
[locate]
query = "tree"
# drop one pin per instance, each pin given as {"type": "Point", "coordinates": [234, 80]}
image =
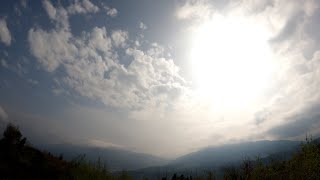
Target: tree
{"type": "Point", "coordinates": [13, 136]}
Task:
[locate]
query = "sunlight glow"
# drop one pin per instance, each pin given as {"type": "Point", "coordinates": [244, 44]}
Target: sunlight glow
{"type": "Point", "coordinates": [231, 61]}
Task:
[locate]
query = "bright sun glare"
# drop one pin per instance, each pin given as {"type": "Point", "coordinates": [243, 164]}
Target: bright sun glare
{"type": "Point", "coordinates": [231, 61]}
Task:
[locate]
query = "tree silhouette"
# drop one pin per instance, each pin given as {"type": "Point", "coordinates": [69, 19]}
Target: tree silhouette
{"type": "Point", "coordinates": [13, 136]}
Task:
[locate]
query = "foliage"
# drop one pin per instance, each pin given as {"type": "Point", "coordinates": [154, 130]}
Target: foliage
{"type": "Point", "coordinates": [18, 160]}
{"type": "Point", "coordinates": [305, 164]}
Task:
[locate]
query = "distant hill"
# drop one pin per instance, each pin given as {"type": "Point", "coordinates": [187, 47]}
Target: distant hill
{"type": "Point", "coordinates": [214, 158]}
{"type": "Point", "coordinates": [115, 158]}
{"type": "Point", "coordinates": [278, 160]}
{"type": "Point", "coordinates": [233, 153]}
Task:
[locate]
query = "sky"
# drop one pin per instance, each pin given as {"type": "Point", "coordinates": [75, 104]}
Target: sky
{"type": "Point", "coordinates": [160, 77]}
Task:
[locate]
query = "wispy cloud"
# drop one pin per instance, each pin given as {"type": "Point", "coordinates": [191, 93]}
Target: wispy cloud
{"type": "Point", "coordinates": [103, 144]}
{"type": "Point", "coordinates": [3, 115]}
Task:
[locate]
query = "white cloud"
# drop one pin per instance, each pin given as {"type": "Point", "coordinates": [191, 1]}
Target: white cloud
{"type": "Point", "coordinates": [142, 26]}
{"type": "Point", "coordinates": [194, 9]}
{"type": "Point", "coordinates": [119, 37]}
{"type": "Point", "coordinates": [51, 11]}
{"type": "Point", "coordinates": [51, 48]}
{"type": "Point", "coordinates": [3, 114]}
{"type": "Point", "coordinates": [82, 7]}
{"type": "Point", "coordinates": [5, 35]}
{"type": "Point", "coordinates": [59, 15]}
{"type": "Point", "coordinates": [93, 70]}
{"type": "Point", "coordinates": [112, 12]}
{"type": "Point", "coordinates": [103, 144]}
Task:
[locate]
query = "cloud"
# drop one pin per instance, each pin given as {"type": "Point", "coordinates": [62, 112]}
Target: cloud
{"type": "Point", "coordinates": [93, 69]}
{"type": "Point", "coordinates": [51, 54]}
{"type": "Point", "coordinates": [5, 35]}
{"type": "Point", "coordinates": [58, 15]}
{"type": "Point", "coordinates": [112, 12]}
{"type": "Point", "coordinates": [298, 125]}
{"type": "Point", "coordinates": [149, 83]}
{"type": "Point", "coordinates": [287, 108]}
{"type": "Point", "coordinates": [119, 37]}
{"type": "Point", "coordinates": [82, 7]}
{"type": "Point", "coordinates": [142, 26]}
{"type": "Point", "coordinates": [4, 63]}
{"type": "Point", "coordinates": [3, 115]}
{"type": "Point", "coordinates": [192, 9]}
{"type": "Point", "coordinates": [103, 144]}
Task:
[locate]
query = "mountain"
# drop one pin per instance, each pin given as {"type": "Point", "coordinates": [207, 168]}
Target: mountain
{"type": "Point", "coordinates": [115, 158]}
{"type": "Point", "coordinates": [233, 153]}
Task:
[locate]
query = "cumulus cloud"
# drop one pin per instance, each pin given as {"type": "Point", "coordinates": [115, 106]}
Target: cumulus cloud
{"type": "Point", "coordinates": [51, 54]}
{"type": "Point", "coordinates": [5, 35]}
{"type": "Point", "coordinates": [119, 37]}
{"type": "Point", "coordinates": [112, 12]}
{"type": "Point", "coordinates": [59, 15]}
{"type": "Point", "coordinates": [82, 7]}
{"type": "Point", "coordinates": [93, 69]}
{"type": "Point", "coordinates": [3, 114]}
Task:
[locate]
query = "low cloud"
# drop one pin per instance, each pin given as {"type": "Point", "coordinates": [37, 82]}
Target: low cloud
{"type": "Point", "coordinates": [103, 144]}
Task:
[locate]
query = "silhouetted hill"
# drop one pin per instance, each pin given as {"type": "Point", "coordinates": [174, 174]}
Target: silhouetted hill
{"type": "Point", "coordinates": [214, 158]}
{"type": "Point", "coordinates": [19, 160]}
{"type": "Point", "coordinates": [232, 153]}
{"type": "Point", "coordinates": [115, 158]}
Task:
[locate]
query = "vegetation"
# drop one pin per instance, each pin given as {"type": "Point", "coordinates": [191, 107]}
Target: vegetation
{"type": "Point", "coordinates": [303, 165]}
{"type": "Point", "coordinates": [19, 160]}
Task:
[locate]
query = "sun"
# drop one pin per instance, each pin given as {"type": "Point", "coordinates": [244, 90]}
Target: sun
{"type": "Point", "coordinates": [231, 60]}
